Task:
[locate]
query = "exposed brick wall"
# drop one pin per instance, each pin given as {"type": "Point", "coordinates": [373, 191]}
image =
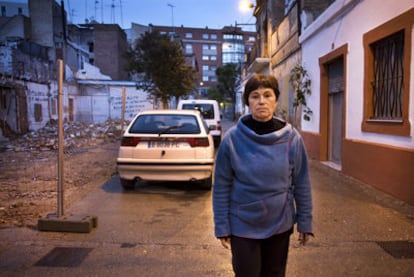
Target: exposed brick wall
{"type": "Point", "coordinates": [110, 45]}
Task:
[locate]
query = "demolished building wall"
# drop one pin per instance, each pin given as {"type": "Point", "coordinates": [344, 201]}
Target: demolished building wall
{"type": "Point", "coordinates": [29, 106]}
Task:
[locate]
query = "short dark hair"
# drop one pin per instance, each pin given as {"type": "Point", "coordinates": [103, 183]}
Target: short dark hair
{"type": "Point", "coordinates": [257, 81]}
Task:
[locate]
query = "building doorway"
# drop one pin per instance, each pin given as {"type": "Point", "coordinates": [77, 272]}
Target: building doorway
{"type": "Point", "coordinates": [335, 110]}
{"type": "Point", "coordinates": [71, 110]}
{"type": "Point", "coordinates": [332, 106]}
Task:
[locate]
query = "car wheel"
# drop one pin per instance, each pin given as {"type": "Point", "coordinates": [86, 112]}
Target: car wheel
{"type": "Point", "coordinates": [127, 184]}
{"type": "Point", "coordinates": [207, 183]}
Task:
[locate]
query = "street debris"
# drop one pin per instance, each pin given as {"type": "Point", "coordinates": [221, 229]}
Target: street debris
{"type": "Point", "coordinates": [28, 168]}
{"type": "Point", "coordinates": [76, 135]}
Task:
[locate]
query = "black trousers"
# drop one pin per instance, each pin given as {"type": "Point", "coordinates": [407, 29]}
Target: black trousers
{"type": "Point", "coordinates": [260, 257]}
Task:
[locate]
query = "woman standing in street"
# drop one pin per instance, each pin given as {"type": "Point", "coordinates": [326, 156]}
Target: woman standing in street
{"type": "Point", "coordinates": [261, 185]}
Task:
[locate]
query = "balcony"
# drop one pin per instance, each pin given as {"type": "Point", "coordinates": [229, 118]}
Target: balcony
{"type": "Point", "coordinates": [254, 63]}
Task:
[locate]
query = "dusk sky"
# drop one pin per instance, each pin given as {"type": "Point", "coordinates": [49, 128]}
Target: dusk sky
{"type": "Point", "coordinates": [191, 13]}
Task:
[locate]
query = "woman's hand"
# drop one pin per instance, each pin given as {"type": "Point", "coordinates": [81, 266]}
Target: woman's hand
{"type": "Point", "coordinates": [226, 242]}
{"type": "Point", "coordinates": [304, 237]}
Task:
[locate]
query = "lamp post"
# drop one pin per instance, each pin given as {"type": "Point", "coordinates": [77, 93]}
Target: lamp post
{"type": "Point", "coordinates": [200, 92]}
{"type": "Point", "coordinates": [241, 65]}
{"type": "Point", "coordinates": [245, 6]}
{"type": "Point", "coordinates": [172, 16]}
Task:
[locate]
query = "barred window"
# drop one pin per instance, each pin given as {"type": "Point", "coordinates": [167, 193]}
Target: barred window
{"type": "Point", "coordinates": [387, 86]}
{"type": "Point", "coordinates": [387, 70]}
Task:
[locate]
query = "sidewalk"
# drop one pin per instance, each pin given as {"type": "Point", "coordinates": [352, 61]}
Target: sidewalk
{"type": "Point", "coordinates": [359, 231]}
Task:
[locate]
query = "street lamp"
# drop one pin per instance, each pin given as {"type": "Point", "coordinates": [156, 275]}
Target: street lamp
{"type": "Point", "coordinates": [172, 16]}
{"type": "Point", "coordinates": [200, 90]}
{"type": "Point", "coordinates": [245, 5]}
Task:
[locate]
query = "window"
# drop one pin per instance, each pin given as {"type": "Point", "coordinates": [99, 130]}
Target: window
{"type": "Point", "coordinates": [54, 104]}
{"type": "Point", "coordinates": [233, 52]}
{"type": "Point", "coordinates": [387, 51]}
{"type": "Point", "coordinates": [3, 11]}
{"type": "Point", "coordinates": [213, 58]}
{"type": "Point", "coordinates": [188, 35]}
{"type": "Point", "coordinates": [156, 123]}
{"type": "Point", "coordinates": [207, 110]}
{"type": "Point", "coordinates": [205, 78]}
{"type": "Point", "coordinates": [214, 36]}
{"type": "Point", "coordinates": [205, 58]}
{"type": "Point", "coordinates": [205, 36]}
{"type": "Point", "coordinates": [38, 112]}
{"type": "Point", "coordinates": [387, 86]}
{"type": "Point", "coordinates": [232, 37]}
{"type": "Point", "coordinates": [19, 11]}
{"type": "Point", "coordinates": [205, 46]}
{"type": "Point", "coordinates": [189, 49]}
{"type": "Point", "coordinates": [205, 67]}
{"type": "Point", "coordinates": [91, 46]}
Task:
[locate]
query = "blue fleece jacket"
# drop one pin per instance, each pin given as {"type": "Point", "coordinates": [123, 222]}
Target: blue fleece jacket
{"type": "Point", "coordinates": [261, 183]}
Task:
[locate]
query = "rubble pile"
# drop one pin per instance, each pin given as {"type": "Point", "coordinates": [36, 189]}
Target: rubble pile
{"type": "Point", "coordinates": [29, 164]}
{"type": "Point", "coordinates": [76, 135]}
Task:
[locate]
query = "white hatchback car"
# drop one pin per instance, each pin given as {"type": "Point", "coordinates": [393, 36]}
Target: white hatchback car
{"type": "Point", "coordinates": [166, 145]}
{"type": "Point", "coordinates": [210, 111]}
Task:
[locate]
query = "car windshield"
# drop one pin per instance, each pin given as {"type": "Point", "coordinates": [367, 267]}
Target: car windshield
{"type": "Point", "coordinates": [165, 124]}
{"type": "Point", "coordinates": [205, 109]}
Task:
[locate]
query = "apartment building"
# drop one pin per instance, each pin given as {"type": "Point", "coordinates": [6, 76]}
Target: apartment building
{"type": "Point", "coordinates": [210, 49]}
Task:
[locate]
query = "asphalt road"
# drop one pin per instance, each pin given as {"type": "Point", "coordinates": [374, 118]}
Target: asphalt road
{"type": "Point", "coordinates": [154, 230]}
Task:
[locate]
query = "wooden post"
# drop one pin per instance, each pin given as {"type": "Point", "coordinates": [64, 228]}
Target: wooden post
{"type": "Point", "coordinates": [57, 222]}
{"type": "Point", "coordinates": [60, 206]}
{"type": "Point", "coordinates": [123, 109]}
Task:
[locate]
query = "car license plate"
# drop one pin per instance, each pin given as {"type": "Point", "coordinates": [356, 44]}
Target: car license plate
{"type": "Point", "coordinates": [163, 144]}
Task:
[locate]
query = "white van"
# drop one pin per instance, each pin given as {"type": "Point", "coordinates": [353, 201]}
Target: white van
{"type": "Point", "coordinates": [211, 114]}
